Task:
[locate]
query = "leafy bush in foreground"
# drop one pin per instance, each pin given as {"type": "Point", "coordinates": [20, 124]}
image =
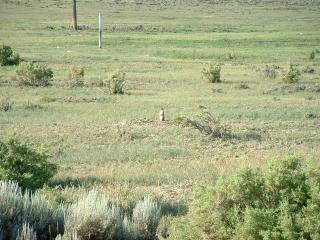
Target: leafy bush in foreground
{"type": "Point", "coordinates": [26, 215]}
{"type": "Point", "coordinates": [280, 203]}
{"type": "Point", "coordinates": [33, 74]}
{"type": "Point", "coordinates": [28, 167]}
{"type": "Point", "coordinates": [8, 57]}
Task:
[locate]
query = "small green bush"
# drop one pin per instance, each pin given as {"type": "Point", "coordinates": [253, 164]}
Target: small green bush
{"type": "Point", "coordinates": [292, 76]}
{"type": "Point", "coordinates": [76, 77]}
{"type": "Point", "coordinates": [277, 203]}
{"type": "Point", "coordinates": [212, 73]}
{"type": "Point", "coordinates": [312, 55]}
{"type": "Point", "coordinates": [27, 166]}
{"type": "Point", "coordinates": [8, 57]}
{"type": "Point", "coordinates": [116, 82]}
{"type": "Point", "coordinates": [33, 74]}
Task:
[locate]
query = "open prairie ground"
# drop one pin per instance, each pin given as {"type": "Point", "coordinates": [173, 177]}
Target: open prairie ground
{"type": "Point", "coordinates": [115, 142]}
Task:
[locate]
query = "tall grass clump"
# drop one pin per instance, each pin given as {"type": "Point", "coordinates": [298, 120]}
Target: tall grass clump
{"type": "Point", "coordinates": [116, 82]}
{"type": "Point", "coordinates": [25, 165]}
{"type": "Point", "coordinates": [76, 76]}
{"type": "Point", "coordinates": [280, 202]}
{"type": "Point", "coordinates": [33, 74]}
{"type": "Point", "coordinates": [26, 215]}
{"type": "Point", "coordinates": [26, 233]}
{"type": "Point", "coordinates": [212, 73]}
{"type": "Point", "coordinates": [8, 57]}
{"type": "Point", "coordinates": [5, 103]}
{"type": "Point", "coordinates": [312, 55]}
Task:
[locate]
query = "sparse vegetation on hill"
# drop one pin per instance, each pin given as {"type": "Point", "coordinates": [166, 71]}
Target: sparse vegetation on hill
{"type": "Point", "coordinates": [114, 143]}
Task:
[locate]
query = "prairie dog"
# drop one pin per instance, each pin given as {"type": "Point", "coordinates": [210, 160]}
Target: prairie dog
{"type": "Point", "coordinates": [161, 115]}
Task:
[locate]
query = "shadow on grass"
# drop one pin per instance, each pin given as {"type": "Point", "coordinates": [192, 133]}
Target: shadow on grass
{"type": "Point", "coordinates": [76, 182]}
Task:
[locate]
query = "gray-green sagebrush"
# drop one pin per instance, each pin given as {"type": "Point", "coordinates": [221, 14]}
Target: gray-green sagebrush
{"type": "Point", "coordinates": [31, 216]}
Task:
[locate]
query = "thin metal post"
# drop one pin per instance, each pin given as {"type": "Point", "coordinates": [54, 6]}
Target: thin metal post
{"type": "Point", "coordinates": [100, 30]}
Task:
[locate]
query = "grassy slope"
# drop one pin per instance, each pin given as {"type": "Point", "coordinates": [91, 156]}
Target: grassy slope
{"type": "Point", "coordinates": [107, 141]}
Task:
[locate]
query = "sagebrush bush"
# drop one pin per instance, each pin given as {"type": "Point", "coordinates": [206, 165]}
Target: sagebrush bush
{"type": "Point", "coordinates": [209, 125]}
{"type": "Point", "coordinates": [33, 74]}
{"type": "Point", "coordinates": [146, 217]}
{"type": "Point", "coordinates": [270, 71]}
{"type": "Point", "coordinates": [26, 233]}
{"type": "Point", "coordinates": [281, 202]}
{"type": "Point", "coordinates": [26, 214]}
{"type": "Point", "coordinates": [212, 73]}
{"type": "Point", "coordinates": [29, 215]}
{"type": "Point", "coordinates": [116, 82]}
{"type": "Point", "coordinates": [76, 76]}
{"type": "Point", "coordinates": [8, 57]}
{"type": "Point", "coordinates": [292, 76]}
{"type": "Point", "coordinates": [28, 167]}
{"type": "Point", "coordinates": [94, 217]}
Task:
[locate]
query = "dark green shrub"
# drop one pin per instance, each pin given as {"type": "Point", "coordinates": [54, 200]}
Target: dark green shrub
{"type": "Point", "coordinates": [33, 74]}
{"type": "Point", "coordinates": [312, 55]}
{"type": "Point", "coordinates": [212, 73]}
{"type": "Point", "coordinates": [279, 203]}
{"type": "Point", "coordinates": [292, 76]}
{"type": "Point", "coordinates": [27, 166]}
{"type": "Point", "coordinates": [76, 77]}
{"type": "Point", "coordinates": [8, 57]}
{"type": "Point", "coordinates": [116, 82]}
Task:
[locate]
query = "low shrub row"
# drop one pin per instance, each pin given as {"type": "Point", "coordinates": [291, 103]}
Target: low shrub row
{"type": "Point", "coordinates": [30, 216]}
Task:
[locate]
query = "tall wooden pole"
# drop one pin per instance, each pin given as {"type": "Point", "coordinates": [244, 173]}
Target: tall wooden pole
{"type": "Point", "coordinates": [100, 30]}
{"type": "Point", "coordinates": [75, 25]}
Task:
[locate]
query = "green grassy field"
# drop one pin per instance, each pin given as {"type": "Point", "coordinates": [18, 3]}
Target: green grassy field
{"type": "Point", "coordinates": [115, 142]}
